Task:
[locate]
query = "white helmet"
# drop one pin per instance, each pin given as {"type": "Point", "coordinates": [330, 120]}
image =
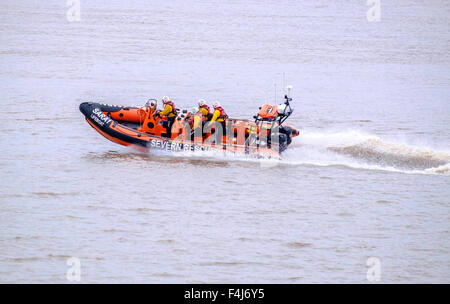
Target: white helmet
{"type": "Point", "coordinates": [216, 104]}
{"type": "Point", "coordinates": [201, 102]}
{"type": "Point", "coordinates": [194, 110]}
{"type": "Point", "coordinates": [165, 99]}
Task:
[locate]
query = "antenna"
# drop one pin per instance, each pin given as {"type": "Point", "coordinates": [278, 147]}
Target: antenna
{"type": "Point", "coordinates": [289, 89]}
{"type": "Point", "coordinates": [288, 95]}
{"type": "Point", "coordinates": [275, 93]}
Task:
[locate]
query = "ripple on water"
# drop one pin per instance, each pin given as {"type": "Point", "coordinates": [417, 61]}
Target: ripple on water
{"type": "Point", "coordinates": [298, 245]}
{"type": "Point", "coordinates": [146, 209]}
{"type": "Point", "coordinates": [54, 194]}
{"type": "Point", "coordinates": [167, 275]}
{"type": "Point", "coordinates": [231, 263]}
{"type": "Point", "coordinates": [165, 241]}
{"type": "Point", "coordinates": [345, 214]}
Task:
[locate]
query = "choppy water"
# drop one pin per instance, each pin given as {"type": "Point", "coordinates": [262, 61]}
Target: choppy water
{"type": "Point", "coordinates": [368, 177]}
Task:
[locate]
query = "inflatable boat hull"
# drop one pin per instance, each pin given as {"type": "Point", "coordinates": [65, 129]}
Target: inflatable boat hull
{"type": "Point", "coordinates": [120, 125]}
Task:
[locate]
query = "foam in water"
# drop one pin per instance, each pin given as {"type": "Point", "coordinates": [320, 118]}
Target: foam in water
{"type": "Point", "coordinates": [358, 150]}
{"type": "Point", "coordinates": [351, 149]}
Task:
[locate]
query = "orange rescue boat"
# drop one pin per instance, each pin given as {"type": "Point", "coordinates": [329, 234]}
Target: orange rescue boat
{"type": "Point", "coordinates": [266, 136]}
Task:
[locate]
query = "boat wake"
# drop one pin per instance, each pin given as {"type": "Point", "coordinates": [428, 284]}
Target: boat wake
{"type": "Point", "coordinates": [364, 151]}
{"type": "Point", "coordinates": [350, 149]}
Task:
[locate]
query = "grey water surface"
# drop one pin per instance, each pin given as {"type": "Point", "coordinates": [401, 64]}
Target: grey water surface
{"type": "Point", "coordinates": [367, 177]}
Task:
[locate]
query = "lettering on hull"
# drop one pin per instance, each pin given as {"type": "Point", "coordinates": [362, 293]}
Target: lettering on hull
{"type": "Point", "coordinates": [168, 146]}
{"type": "Point", "coordinates": [99, 117]}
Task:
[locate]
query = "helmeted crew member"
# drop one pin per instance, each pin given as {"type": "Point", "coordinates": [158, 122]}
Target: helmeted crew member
{"type": "Point", "coordinates": [199, 118]}
{"type": "Point", "coordinates": [191, 115]}
{"type": "Point", "coordinates": [204, 109]}
{"type": "Point", "coordinates": [170, 112]}
{"type": "Point", "coordinates": [219, 116]}
{"type": "Point", "coordinates": [169, 108]}
{"type": "Point", "coordinates": [196, 123]}
{"type": "Point", "coordinates": [219, 113]}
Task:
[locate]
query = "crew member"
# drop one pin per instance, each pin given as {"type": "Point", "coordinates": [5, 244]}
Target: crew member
{"type": "Point", "coordinates": [191, 117]}
{"type": "Point", "coordinates": [219, 117]}
{"type": "Point", "coordinates": [197, 119]}
{"type": "Point", "coordinates": [204, 109]}
{"type": "Point", "coordinates": [197, 123]}
{"type": "Point", "coordinates": [170, 112]}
